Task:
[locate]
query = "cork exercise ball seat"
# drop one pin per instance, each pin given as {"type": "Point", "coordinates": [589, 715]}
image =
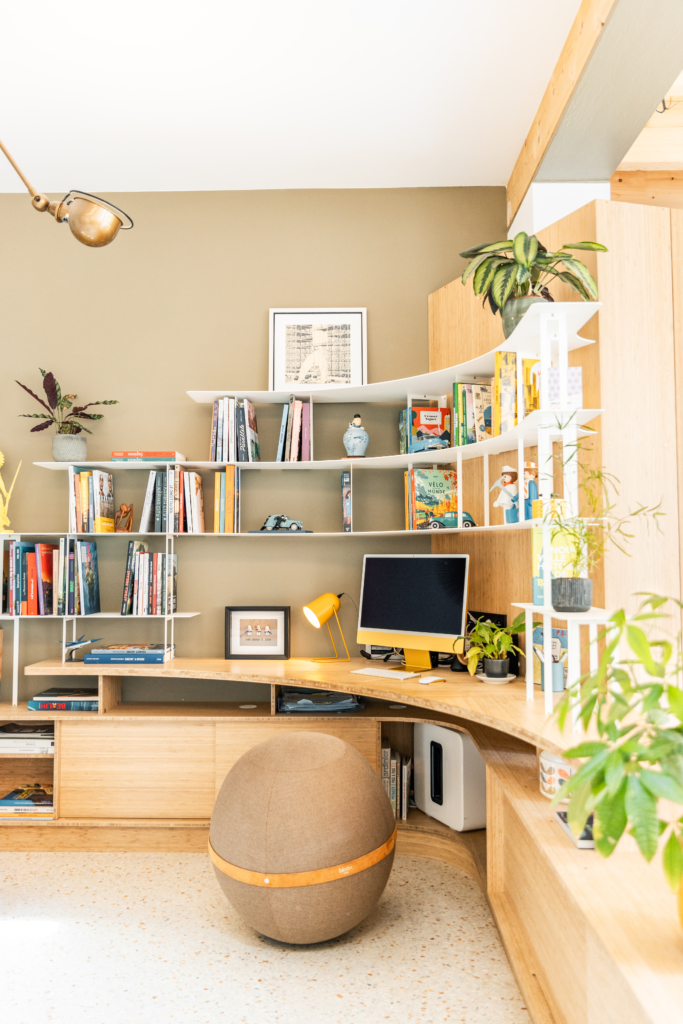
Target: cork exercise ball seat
{"type": "Point", "coordinates": [302, 837]}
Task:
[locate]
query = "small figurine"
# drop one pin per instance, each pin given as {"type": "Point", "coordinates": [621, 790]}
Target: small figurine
{"type": "Point", "coordinates": [530, 488]}
{"type": "Point", "coordinates": [356, 438]}
{"type": "Point", "coordinates": [4, 500]}
{"type": "Point", "coordinates": [508, 499]}
{"type": "Point", "coordinates": [123, 520]}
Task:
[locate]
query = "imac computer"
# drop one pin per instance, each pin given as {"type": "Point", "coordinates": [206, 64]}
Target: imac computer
{"type": "Point", "coordinates": [417, 602]}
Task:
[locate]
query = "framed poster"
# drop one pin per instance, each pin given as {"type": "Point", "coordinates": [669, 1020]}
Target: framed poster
{"type": "Point", "coordinates": [254, 632]}
{"type": "Point", "coordinates": [314, 349]}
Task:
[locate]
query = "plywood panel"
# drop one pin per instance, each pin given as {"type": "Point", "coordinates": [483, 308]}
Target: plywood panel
{"type": "Point", "coordinates": [137, 769]}
{"type": "Point", "coordinates": [234, 738]}
{"type": "Point", "coordinates": [459, 328]}
{"type": "Point", "coordinates": [677, 284]}
{"type": "Point", "coordinates": [651, 188]}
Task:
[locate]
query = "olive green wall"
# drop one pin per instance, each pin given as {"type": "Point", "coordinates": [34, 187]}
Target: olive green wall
{"type": "Point", "coordinates": [181, 302]}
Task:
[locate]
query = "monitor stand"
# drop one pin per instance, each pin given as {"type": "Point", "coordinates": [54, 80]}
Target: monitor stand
{"type": "Point", "coordinates": [415, 661]}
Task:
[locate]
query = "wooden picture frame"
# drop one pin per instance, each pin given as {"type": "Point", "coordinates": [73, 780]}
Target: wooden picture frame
{"type": "Point", "coordinates": [338, 335]}
{"type": "Point", "coordinates": [256, 633]}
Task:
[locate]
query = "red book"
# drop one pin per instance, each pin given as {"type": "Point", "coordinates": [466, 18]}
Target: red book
{"type": "Point", "coordinates": [31, 584]}
{"type": "Point", "coordinates": [154, 583]}
{"type": "Point", "coordinates": [45, 578]}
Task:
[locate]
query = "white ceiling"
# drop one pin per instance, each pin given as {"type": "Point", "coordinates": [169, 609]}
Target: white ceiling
{"type": "Point", "coordinates": [139, 95]}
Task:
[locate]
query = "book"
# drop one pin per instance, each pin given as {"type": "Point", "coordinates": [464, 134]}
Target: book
{"type": "Point", "coordinates": [386, 767]}
{"type": "Point", "coordinates": [128, 654]}
{"type": "Point", "coordinates": [217, 478]}
{"type": "Point", "coordinates": [18, 746]}
{"type": "Point", "coordinates": [393, 782]}
{"type": "Point", "coordinates": [103, 501]}
{"type": "Point", "coordinates": [28, 799]}
{"type": "Point", "coordinates": [346, 501]}
{"type": "Point", "coordinates": [197, 503]}
{"type": "Point", "coordinates": [560, 643]}
{"type": "Point", "coordinates": [220, 429]}
{"type": "Point", "coordinates": [433, 498]}
{"type": "Point", "coordinates": [290, 422]}
{"type": "Point", "coordinates": [67, 693]}
{"type": "Point", "coordinates": [230, 452]}
{"type": "Point", "coordinates": [560, 551]}
{"type": "Point", "coordinates": [530, 371]}
{"type": "Point", "coordinates": [63, 705]}
{"type": "Point", "coordinates": [62, 579]}
{"type": "Point", "coordinates": [31, 585]}
{"type": "Point", "coordinates": [214, 426]}
{"type": "Point", "coordinates": [177, 473]}
{"type": "Point", "coordinates": [164, 456]}
{"type": "Point", "coordinates": [574, 388]}
{"type": "Point", "coordinates": [134, 546]}
{"type": "Point", "coordinates": [283, 435]}
{"type": "Point", "coordinates": [229, 480]}
{"type": "Point", "coordinates": [221, 502]}
{"type": "Point", "coordinates": [56, 563]}
{"type": "Point", "coordinates": [306, 432]}
{"type": "Point", "coordinates": [402, 434]}
{"type": "Point", "coordinates": [241, 426]}
{"type": "Point", "coordinates": [146, 519]}
{"type": "Point", "coordinates": [481, 400]}
{"type": "Point", "coordinates": [158, 499]}
{"type": "Point", "coordinates": [253, 447]}
{"type": "Point", "coordinates": [89, 579]}
{"type": "Point", "coordinates": [429, 423]}
{"type": "Point", "coordinates": [504, 392]}
{"type": "Point", "coordinates": [406, 771]}
{"type": "Point", "coordinates": [469, 421]}
{"type": "Point", "coordinates": [296, 432]}
{"type": "Point", "coordinates": [45, 570]}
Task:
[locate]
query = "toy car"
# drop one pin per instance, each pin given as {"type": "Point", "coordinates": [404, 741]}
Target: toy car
{"type": "Point", "coordinates": [449, 521]}
{"type": "Point", "coordinates": [281, 522]}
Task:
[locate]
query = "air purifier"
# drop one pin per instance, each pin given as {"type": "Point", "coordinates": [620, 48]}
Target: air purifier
{"type": "Point", "coordinates": [450, 777]}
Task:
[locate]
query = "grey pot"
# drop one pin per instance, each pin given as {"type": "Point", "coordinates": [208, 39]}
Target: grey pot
{"type": "Point", "coordinates": [571, 595]}
{"type": "Point", "coordinates": [514, 310]}
{"type": "Point", "coordinates": [70, 448]}
{"type": "Point", "coordinates": [497, 668]}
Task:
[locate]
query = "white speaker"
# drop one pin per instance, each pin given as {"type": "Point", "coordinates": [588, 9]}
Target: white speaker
{"type": "Point", "coordinates": [450, 777]}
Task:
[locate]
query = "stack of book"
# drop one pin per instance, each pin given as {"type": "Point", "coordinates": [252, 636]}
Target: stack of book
{"type": "Point", "coordinates": [472, 412]}
{"type": "Point", "coordinates": [149, 583]}
{"type": "Point", "coordinates": [168, 457]}
{"type": "Point", "coordinates": [30, 800]}
{"type": "Point", "coordinates": [226, 501]}
{"type": "Point", "coordinates": [21, 738]}
{"type": "Point", "coordinates": [65, 698]}
{"type": "Point", "coordinates": [91, 501]}
{"type": "Point", "coordinates": [129, 654]}
{"type": "Point", "coordinates": [424, 425]}
{"type": "Point", "coordinates": [174, 502]}
{"type": "Point", "coordinates": [234, 432]}
{"type": "Point", "coordinates": [294, 442]}
{"type": "Point", "coordinates": [50, 579]}
{"type": "Point", "coordinates": [397, 772]}
{"type": "Point", "coordinates": [431, 499]}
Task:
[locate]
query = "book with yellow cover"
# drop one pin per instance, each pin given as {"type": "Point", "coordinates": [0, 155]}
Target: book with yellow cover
{"type": "Point", "coordinates": [504, 392]}
{"type": "Point", "coordinates": [531, 396]}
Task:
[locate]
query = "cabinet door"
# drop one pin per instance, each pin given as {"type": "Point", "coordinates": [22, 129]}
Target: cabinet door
{"type": "Point", "coordinates": [234, 738]}
{"type": "Point", "coordinates": [137, 769]}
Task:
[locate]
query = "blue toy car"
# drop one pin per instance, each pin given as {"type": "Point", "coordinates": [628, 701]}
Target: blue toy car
{"type": "Point", "coordinates": [281, 522]}
{"type": "Point", "coordinates": [449, 521]}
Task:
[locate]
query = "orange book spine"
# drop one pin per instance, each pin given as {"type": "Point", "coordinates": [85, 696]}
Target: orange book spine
{"type": "Point", "coordinates": [31, 584]}
{"type": "Point", "coordinates": [217, 503]}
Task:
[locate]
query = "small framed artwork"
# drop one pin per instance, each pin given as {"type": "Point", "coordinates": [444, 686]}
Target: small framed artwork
{"type": "Point", "coordinates": [314, 349]}
{"type": "Point", "coordinates": [257, 632]}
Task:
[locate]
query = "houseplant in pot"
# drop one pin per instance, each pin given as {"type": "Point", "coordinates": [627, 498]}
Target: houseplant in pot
{"type": "Point", "coordinates": [493, 644]}
{"type": "Point", "coordinates": [68, 444]}
{"type": "Point", "coordinates": [514, 274]}
{"type": "Point", "coordinates": [584, 539]}
{"type": "Point", "coordinates": [634, 703]}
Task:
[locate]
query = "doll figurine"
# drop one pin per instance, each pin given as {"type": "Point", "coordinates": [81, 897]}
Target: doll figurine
{"type": "Point", "coordinates": [508, 499]}
{"type": "Point", "coordinates": [530, 488]}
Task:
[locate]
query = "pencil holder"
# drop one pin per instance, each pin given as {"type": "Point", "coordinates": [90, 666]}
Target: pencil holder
{"type": "Point", "coordinates": [557, 675]}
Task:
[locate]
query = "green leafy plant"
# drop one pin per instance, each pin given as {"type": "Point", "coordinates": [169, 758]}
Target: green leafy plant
{"type": "Point", "coordinates": [60, 409]}
{"type": "Point", "coordinates": [495, 642]}
{"type": "Point", "coordinates": [522, 266]}
{"type": "Point", "coordinates": [587, 537]}
{"type": "Point", "coordinates": [634, 701]}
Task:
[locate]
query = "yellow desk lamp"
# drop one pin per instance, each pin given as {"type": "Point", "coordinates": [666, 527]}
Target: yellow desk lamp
{"type": "Point", "coordinates": [321, 610]}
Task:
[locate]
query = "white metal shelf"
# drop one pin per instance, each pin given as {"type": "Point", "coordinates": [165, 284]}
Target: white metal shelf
{"type": "Point", "coordinates": [101, 615]}
{"type": "Point", "coordinates": [526, 431]}
{"type": "Point", "coordinates": [525, 338]}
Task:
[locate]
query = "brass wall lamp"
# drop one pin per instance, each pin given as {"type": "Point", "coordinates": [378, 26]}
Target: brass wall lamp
{"type": "Point", "coordinates": [92, 220]}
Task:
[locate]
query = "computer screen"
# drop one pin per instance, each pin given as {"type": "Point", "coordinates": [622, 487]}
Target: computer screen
{"type": "Point", "coordinates": [414, 594]}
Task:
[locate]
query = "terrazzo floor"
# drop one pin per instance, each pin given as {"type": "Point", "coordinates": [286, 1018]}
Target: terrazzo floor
{"type": "Point", "coordinates": [149, 939]}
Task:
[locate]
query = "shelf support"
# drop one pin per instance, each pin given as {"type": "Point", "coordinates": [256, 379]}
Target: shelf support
{"type": "Point", "coordinates": [529, 630]}
{"type": "Point", "coordinates": [15, 662]}
{"type": "Point", "coordinates": [459, 485]}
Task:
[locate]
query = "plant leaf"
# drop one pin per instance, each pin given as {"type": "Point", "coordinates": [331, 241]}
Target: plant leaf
{"type": "Point", "coordinates": [485, 273]}
{"type": "Point", "coordinates": [640, 646]}
{"type": "Point", "coordinates": [525, 248]}
{"type": "Point", "coordinates": [675, 701]}
{"type": "Point", "coordinates": [641, 808]}
{"type": "Point", "coordinates": [573, 281]}
{"type": "Point", "coordinates": [609, 821]}
{"type": "Point", "coordinates": [50, 389]}
{"type": "Point", "coordinates": [588, 749]}
{"type": "Point", "coordinates": [583, 274]}
{"type": "Point", "coordinates": [44, 405]}
{"type": "Point", "coordinates": [661, 785]}
{"type": "Point", "coordinates": [40, 426]}
{"type": "Point", "coordinates": [672, 861]}
{"type": "Point", "coordinates": [614, 772]}
{"type": "Point", "coordinates": [591, 246]}
{"type": "Point", "coordinates": [503, 283]}
{"type": "Point", "coordinates": [577, 813]}
{"type": "Point", "coordinates": [472, 266]}
{"type": "Point", "coordinates": [505, 246]}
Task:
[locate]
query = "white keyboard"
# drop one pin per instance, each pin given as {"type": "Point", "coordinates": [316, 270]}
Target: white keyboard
{"type": "Point", "coordinates": [385, 673]}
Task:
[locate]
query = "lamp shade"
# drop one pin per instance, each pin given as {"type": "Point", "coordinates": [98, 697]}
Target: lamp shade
{"type": "Point", "coordinates": [319, 611]}
{"type": "Point", "coordinates": [92, 220]}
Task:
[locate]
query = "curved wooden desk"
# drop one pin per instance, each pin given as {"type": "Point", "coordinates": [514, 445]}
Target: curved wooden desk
{"type": "Point", "coordinates": [591, 941]}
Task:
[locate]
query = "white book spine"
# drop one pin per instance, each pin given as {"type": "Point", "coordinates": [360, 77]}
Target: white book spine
{"type": "Point", "coordinates": [148, 505]}
{"type": "Point", "coordinates": [170, 485]}
{"type": "Point", "coordinates": [232, 451]}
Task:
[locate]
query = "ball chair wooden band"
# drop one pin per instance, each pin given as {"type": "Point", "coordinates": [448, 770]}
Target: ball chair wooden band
{"type": "Point", "coordinates": [300, 878]}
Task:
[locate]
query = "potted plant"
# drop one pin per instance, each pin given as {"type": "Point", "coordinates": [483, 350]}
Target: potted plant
{"type": "Point", "coordinates": [585, 538]}
{"type": "Point", "coordinates": [67, 445]}
{"type": "Point", "coordinates": [493, 644]}
{"type": "Point", "coordinates": [634, 702]}
{"type": "Point", "coordinates": [514, 274]}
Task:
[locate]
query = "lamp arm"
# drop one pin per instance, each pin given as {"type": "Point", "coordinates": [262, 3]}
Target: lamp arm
{"type": "Point", "coordinates": [40, 202]}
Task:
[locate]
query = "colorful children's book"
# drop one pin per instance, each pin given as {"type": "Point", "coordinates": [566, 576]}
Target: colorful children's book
{"type": "Point", "coordinates": [504, 392]}
{"type": "Point", "coordinates": [530, 371]}
{"type": "Point", "coordinates": [88, 576]}
{"type": "Point", "coordinates": [481, 400]}
{"type": "Point", "coordinates": [103, 498]}
{"type": "Point", "coordinates": [560, 644]}
{"type": "Point", "coordinates": [468, 413]}
{"type": "Point", "coordinates": [429, 420]}
{"type": "Point", "coordinates": [433, 498]}
{"type": "Point", "coordinates": [252, 432]}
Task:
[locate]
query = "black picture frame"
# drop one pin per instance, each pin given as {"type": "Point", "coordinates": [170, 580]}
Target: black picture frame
{"type": "Point", "coordinates": [233, 651]}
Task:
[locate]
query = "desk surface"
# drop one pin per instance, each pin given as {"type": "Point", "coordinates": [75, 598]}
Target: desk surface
{"type": "Point", "coordinates": [500, 707]}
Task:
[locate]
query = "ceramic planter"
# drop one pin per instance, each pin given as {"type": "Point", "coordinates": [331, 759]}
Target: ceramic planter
{"type": "Point", "coordinates": [514, 310]}
{"type": "Point", "coordinates": [497, 668]}
{"type": "Point", "coordinates": [70, 448]}
{"type": "Point", "coordinates": [571, 595]}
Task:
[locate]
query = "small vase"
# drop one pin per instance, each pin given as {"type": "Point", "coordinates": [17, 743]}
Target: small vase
{"type": "Point", "coordinates": [70, 448]}
{"type": "Point", "coordinates": [356, 439]}
{"type": "Point", "coordinates": [571, 595]}
{"type": "Point", "coordinates": [497, 668]}
{"type": "Point", "coordinates": [514, 310]}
